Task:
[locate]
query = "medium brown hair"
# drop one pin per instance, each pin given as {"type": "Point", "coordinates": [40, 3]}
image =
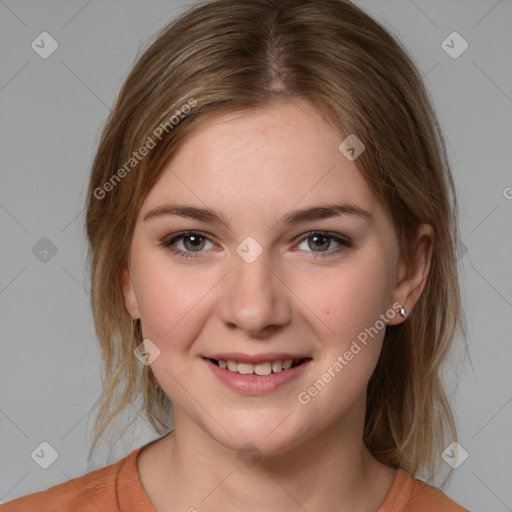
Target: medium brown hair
{"type": "Point", "coordinates": [229, 56]}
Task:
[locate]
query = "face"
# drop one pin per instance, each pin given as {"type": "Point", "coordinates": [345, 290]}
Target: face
{"type": "Point", "coordinates": [286, 255]}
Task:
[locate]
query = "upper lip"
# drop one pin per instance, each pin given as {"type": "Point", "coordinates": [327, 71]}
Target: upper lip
{"type": "Point", "coordinates": [255, 358]}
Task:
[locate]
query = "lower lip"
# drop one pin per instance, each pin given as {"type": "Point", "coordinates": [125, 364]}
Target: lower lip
{"type": "Point", "coordinates": [256, 384]}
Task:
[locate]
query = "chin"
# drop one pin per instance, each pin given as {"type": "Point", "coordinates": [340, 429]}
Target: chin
{"type": "Point", "coordinates": [259, 445]}
{"type": "Point", "coordinates": [265, 436]}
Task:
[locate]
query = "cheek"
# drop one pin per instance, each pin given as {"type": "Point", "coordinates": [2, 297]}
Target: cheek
{"type": "Point", "coordinates": [174, 309]}
{"type": "Point", "coordinates": [172, 300]}
{"type": "Point", "coordinates": [348, 299]}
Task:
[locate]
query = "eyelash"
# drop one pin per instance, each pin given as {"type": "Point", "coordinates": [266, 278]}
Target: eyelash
{"type": "Point", "coordinates": [344, 241]}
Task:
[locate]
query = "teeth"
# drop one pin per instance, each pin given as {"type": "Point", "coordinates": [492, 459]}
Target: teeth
{"type": "Point", "coordinates": [265, 368]}
{"type": "Point", "coordinates": [244, 368]}
{"type": "Point", "coordinates": [277, 366]}
{"type": "Point", "coordinates": [262, 368]}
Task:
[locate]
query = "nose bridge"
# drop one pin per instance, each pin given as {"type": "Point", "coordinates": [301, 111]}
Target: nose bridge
{"type": "Point", "coordinates": [255, 297]}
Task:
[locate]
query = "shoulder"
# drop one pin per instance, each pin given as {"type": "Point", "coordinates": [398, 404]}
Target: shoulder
{"type": "Point", "coordinates": [96, 490]}
{"type": "Point", "coordinates": [410, 494]}
{"type": "Point", "coordinates": [426, 498]}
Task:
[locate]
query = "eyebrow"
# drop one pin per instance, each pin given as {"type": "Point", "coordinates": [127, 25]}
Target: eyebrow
{"type": "Point", "coordinates": [318, 212]}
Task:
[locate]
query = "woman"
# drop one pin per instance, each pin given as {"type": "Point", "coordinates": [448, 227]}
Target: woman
{"type": "Point", "coordinates": [272, 224]}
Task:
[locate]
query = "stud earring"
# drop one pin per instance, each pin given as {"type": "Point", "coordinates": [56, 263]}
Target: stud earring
{"type": "Point", "coordinates": [403, 312]}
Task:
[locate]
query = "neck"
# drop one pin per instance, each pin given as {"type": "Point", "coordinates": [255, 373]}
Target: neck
{"type": "Point", "coordinates": [199, 473]}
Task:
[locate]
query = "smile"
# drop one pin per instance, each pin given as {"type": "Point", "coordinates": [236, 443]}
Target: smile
{"type": "Point", "coordinates": [264, 368]}
{"type": "Point", "coordinates": [256, 375]}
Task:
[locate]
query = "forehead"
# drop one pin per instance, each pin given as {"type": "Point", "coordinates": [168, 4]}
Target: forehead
{"type": "Point", "coordinates": [269, 160]}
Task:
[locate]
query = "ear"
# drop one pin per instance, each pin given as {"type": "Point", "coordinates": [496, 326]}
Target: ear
{"type": "Point", "coordinates": [130, 299]}
{"type": "Point", "coordinates": [412, 275]}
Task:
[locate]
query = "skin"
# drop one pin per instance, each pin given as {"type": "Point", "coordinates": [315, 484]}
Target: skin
{"type": "Point", "coordinates": [253, 169]}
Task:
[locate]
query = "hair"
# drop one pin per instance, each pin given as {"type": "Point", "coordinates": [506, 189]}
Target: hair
{"type": "Point", "coordinates": [227, 56]}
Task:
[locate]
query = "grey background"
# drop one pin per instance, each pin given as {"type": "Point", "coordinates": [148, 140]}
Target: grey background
{"type": "Point", "coordinates": [51, 112]}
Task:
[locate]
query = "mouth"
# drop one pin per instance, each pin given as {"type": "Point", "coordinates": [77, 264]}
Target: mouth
{"type": "Point", "coordinates": [256, 375]}
{"type": "Point", "coordinates": [262, 368]}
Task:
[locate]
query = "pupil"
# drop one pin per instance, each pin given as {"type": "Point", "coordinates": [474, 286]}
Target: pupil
{"type": "Point", "coordinates": [317, 240]}
{"type": "Point", "coordinates": [195, 240]}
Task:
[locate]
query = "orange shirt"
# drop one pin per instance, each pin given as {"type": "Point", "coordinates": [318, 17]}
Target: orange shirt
{"type": "Point", "coordinates": [117, 488]}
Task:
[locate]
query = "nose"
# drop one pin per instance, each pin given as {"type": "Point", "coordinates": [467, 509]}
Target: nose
{"type": "Point", "coordinates": [255, 300]}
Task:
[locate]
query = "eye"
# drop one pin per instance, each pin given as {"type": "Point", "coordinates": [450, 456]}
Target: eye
{"type": "Point", "coordinates": [317, 241]}
{"type": "Point", "coordinates": [191, 241]}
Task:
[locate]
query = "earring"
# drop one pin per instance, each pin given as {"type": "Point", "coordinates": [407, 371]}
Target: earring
{"type": "Point", "coordinates": [403, 312]}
